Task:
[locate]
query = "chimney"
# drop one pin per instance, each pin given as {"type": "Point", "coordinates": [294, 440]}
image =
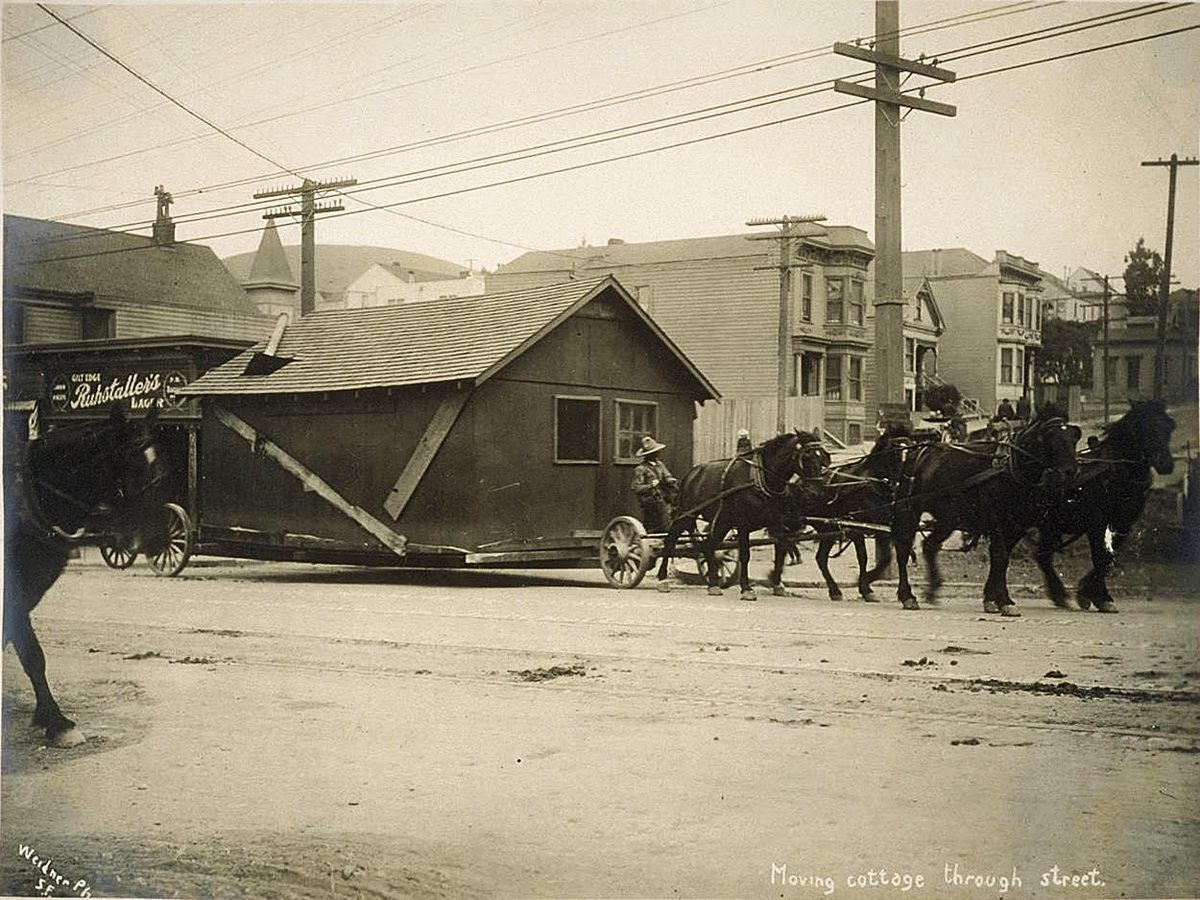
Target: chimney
{"type": "Point", "coordinates": [164, 228]}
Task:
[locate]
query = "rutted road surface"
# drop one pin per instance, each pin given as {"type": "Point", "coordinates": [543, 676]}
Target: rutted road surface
{"type": "Point", "coordinates": [281, 731]}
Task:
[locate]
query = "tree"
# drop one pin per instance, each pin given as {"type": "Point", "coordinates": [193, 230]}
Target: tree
{"type": "Point", "coordinates": [1066, 354]}
{"type": "Point", "coordinates": [1143, 279]}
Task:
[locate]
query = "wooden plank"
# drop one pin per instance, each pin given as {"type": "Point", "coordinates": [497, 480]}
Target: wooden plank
{"type": "Point", "coordinates": [858, 90]}
{"type": "Point", "coordinates": [532, 556]}
{"type": "Point", "coordinates": [311, 481]}
{"type": "Point", "coordinates": [431, 441]}
{"type": "Point", "coordinates": [896, 62]}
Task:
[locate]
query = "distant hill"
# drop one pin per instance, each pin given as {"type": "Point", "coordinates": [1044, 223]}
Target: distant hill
{"type": "Point", "coordinates": [339, 264]}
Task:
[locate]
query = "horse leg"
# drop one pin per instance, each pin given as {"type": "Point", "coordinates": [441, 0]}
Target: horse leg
{"type": "Point", "coordinates": [864, 583]}
{"type": "Point", "coordinates": [744, 563]}
{"type": "Point", "coordinates": [883, 559]}
{"type": "Point", "coordinates": [931, 546]}
{"type": "Point", "coordinates": [782, 552]}
{"type": "Point", "coordinates": [995, 591]}
{"type": "Point", "coordinates": [668, 552]}
{"type": "Point", "coordinates": [1047, 541]}
{"type": "Point", "coordinates": [60, 730]}
{"type": "Point", "coordinates": [823, 548]}
{"type": "Point", "coordinates": [1092, 587]}
{"type": "Point", "coordinates": [716, 534]}
{"type": "Point", "coordinates": [904, 532]}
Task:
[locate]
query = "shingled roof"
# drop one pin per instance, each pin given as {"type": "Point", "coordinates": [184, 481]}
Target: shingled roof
{"type": "Point", "coordinates": [43, 255]}
{"type": "Point", "coordinates": [460, 338]}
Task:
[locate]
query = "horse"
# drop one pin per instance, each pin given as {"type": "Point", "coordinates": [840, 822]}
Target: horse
{"type": "Point", "coordinates": [55, 487]}
{"type": "Point", "coordinates": [746, 493]}
{"type": "Point", "coordinates": [995, 488]}
{"type": "Point", "coordinates": [1111, 492]}
{"type": "Point", "coordinates": [863, 491]}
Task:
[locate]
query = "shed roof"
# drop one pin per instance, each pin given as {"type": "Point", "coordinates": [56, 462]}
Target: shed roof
{"type": "Point", "coordinates": [422, 342]}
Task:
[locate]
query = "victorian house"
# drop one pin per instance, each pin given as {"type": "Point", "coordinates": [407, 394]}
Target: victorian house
{"type": "Point", "coordinates": [993, 318]}
{"type": "Point", "coordinates": [718, 299]}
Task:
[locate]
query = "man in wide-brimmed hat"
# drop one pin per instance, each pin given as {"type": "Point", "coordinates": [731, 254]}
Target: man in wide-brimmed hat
{"type": "Point", "coordinates": [654, 486]}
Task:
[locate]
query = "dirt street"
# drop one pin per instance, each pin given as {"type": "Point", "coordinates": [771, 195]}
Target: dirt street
{"type": "Point", "coordinates": [296, 731]}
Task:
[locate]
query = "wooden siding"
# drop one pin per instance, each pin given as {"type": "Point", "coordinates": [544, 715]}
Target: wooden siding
{"type": "Point", "coordinates": [717, 424]}
{"type": "Point", "coordinates": [494, 478]}
{"type": "Point", "coordinates": [136, 321]}
{"type": "Point", "coordinates": [967, 356]}
{"type": "Point", "coordinates": [44, 324]}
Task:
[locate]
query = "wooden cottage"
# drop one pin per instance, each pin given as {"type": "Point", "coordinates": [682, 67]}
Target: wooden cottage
{"type": "Point", "coordinates": [493, 429]}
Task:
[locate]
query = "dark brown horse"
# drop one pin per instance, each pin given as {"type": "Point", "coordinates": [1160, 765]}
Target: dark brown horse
{"type": "Point", "coordinates": [746, 493]}
{"type": "Point", "coordinates": [995, 488]}
{"type": "Point", "coordinates": [54, 488]}
{"type": "Point", "coordinates": [1111, 492]}
{"type": "Point", "coordinates": [863, 491]}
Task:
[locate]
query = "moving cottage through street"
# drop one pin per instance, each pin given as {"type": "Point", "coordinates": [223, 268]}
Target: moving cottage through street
{"type": "Point", "coordinates": [275, 730]}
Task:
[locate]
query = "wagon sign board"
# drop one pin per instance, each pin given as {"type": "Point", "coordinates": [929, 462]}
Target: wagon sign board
{"type": "Point", "coordinates": [83, 392]}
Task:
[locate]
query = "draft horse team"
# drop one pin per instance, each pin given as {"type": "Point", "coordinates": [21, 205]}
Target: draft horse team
{"type": "Point", "coordinates": [1000, 488]}
{"type": "Point", "coordinates": [102, 479]}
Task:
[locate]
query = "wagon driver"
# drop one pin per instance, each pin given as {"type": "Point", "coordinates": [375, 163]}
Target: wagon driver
{"type": "Point", "coordinates": [654, 486]}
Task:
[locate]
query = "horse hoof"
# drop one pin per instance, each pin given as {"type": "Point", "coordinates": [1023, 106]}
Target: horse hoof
{"type": "Point", "coordinates": [1009, 610]}
{"type": "Point", "coordinates": [910, 603]}
{"type": "Point", "coordinates": [991, 606]}
{"type": "Point", "coordinates": [1063, 602]}
{"type": "Point", "coordinates": [72, 737]}
{"type": "Point", "coordinates": [664, 586]}
{"type": "Point", "coordinates": [749, 595]}
{"type": "Point", "coordinates": [1084, 602]}
{"type": "Point", "coordinates": [1106, 606]}
{"type": "Point", "coordinates": [835, 597]}
{"type": "Point", "coordinates": [870, 598]}
{"type": "Point", "coordinates": [779, 591]}
{"type": "Point", "coordinates": [715, 592]}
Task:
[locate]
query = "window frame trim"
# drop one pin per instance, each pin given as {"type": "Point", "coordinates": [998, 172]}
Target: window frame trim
{"type": "Point", "coordinates": [632, 460]}
{"type": "Point", "coordinates": [599, 401]}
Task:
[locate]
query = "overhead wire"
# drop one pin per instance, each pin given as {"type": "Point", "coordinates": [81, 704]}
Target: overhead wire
{"type": "Point", "coordinates": [669, 87]}
{"type": "Point", "coordinates": [548, 148]}
{"type": "Point", "coordinates": [692, 141]}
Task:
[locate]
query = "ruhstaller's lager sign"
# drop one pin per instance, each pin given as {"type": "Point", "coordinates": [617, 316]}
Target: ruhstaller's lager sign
{"type": "Point", "coordinates": [139, 390]}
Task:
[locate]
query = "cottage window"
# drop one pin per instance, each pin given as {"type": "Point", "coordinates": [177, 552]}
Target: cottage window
{"type": "Point", "coordinates": [1006, 310]}
{"type": "Point", "coordinates": [635, 419]}
{"type": "Point", "coordinates": [856, 301]}
{"type": "Point", "coordinates": [835, 300]}
{"type": "Point", "coordinates": [833, 378]}
{"type": "Point", "coordinates": [854, 379]}
{"type": "Point", "coordinates": [1133, 372]}
{"type": "Point", "coordinates": [577, 429]}
{"type": "Point", "coordinates": [1006, 365]}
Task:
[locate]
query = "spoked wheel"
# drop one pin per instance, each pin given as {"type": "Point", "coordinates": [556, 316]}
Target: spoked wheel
{"type": "Point", "coordinates": [176, 542]}
{"type": "Point", "coordinates": [727, 568]}
{"type": "Point", "coordinates": [117, 556]}
{"type": "Point", "coordinates": [625, 554]}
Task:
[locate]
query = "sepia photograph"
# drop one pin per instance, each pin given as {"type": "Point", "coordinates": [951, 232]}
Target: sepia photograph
{"type": "Point", "coordinates": [600, 449]}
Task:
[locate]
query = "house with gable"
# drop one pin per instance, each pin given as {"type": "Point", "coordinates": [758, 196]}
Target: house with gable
{"type": "Point", "coordinates": [718, 299]}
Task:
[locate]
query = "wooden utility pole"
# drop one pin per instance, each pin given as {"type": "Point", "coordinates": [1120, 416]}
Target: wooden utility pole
{"type": "Point", "coordinates": [308, 240]}
{"type": "Point", "coordinates": [1164, 294]}
{"type": "Point", "coordinates": [889, 274]}
{"type": "Point", "coordinates": [1104, 375]}
{"type": "Point", "coordinates": [788, 232]}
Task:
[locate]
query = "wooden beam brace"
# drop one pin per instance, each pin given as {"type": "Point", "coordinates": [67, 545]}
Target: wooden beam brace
{"type": "Point", "coordinates": [423, 455]}
{"type": "Point", "coordinates": [870, 93]}
{"type": "Point", "coordinates": [263, 445]}
{"type": "Point", "coordinates": [896, 62]}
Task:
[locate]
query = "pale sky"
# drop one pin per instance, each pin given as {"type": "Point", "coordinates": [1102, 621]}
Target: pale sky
{"type": "Point", "coordinates": [1042, 161]}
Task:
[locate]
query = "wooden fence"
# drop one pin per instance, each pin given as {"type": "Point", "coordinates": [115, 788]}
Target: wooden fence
{"type": "Point", "coordinates": [714, 432]}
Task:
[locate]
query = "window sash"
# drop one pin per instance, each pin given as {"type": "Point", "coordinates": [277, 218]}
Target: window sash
{"type": "Point", "coordinates": [854, 379]}
{"type": "Point", "coordinates": [1006, 365]}
{"type": "Point", "coordinates": [1006, 312]}
{"type": "Point", "coordinates": [634, 419]}
{"type": "Point", "coordinates": [833, 378]}
{"type": "Point", "coordinates": [834, 300]}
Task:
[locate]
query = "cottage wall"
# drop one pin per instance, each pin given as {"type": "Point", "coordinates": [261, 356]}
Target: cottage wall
{"type": "Point", "coordinates": [494, 479]}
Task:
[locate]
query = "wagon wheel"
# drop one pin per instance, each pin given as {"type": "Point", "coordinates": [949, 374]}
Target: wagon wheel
{"type": "Point", "coordinates": [177, 546]}
{"type": "Point", "coordinates": [116, 555]}
{"type": "Point", "coordinates": [727, 568]}
{"type": "Point", "coordinates": [625, 554]}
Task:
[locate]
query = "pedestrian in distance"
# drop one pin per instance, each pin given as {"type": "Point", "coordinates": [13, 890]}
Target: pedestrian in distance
{"type": "Point", "coordinates": [744, 446]}
{"type": "Point", "coordinates": [1005, 412]}
{"type": "Point", "coordinates": [1024, 408]}
{"type": "Point", "coordinates": [654, 486]}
